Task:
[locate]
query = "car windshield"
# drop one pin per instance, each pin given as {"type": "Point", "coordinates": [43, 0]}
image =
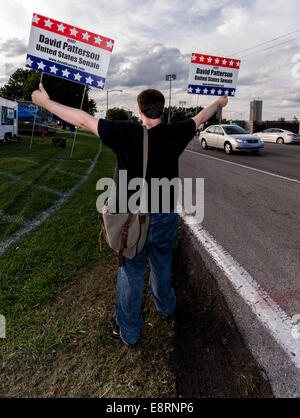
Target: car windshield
{"type": "Point", "coordinates": [234, 129]}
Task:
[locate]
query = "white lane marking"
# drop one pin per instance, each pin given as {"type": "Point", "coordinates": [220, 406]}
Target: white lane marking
{"type": "Point", "coordinates": [30, 183]}
{"type": "Point", "coordinates": [70, 173]}
{"type": "Point", "coordinates": [30, 225]}
{"type": "Point", "coordinates": [277, 322]}
{"type": "Point", "coordinates": [4, 217]}
{"type": "Point", "coordinates": [26, 160]}
{"type": "Point", "coordinates": [244, 166]}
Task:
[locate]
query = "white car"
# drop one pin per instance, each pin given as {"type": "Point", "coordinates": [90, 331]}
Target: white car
{"type": "Point", "coordinates": [230, 138]}
{"type": "Point", "coordinates": [278, 136]}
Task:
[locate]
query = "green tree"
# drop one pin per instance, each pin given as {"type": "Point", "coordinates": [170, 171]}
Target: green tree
{"type": "Point", "coordinates": [116, 114]}
{"type": "Point", "coordinates": [180, 113]}
{"type": "Point", "coordinates": [22, 83]}
{"type": "Point", "coordinates": [13, 89]}
{"type": "Point", "coordinates": [134, 119]}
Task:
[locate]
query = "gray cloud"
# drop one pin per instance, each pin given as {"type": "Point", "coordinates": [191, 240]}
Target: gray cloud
{"type": "Point", "coordinates": [13, 47]}
{"type": "Point", "coordinates": [136, 68]}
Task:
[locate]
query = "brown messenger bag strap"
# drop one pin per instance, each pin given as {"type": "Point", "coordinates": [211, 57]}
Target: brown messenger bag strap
{"type": "Point", "coordinates": [142, 218]}
{"type": "Point", "coordinates": [124, 237]}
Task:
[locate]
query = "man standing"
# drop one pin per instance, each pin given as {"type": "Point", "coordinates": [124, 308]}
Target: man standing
{"type": "Point", "coordinates": [166, 143]}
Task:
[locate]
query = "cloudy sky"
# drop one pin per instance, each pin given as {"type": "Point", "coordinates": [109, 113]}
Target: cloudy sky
{"type": "Point", "coordinates": [154, 38]}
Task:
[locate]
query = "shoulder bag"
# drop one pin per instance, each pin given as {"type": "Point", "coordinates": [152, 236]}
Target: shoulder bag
{"type": "Point", "coordinates": [126, 233]}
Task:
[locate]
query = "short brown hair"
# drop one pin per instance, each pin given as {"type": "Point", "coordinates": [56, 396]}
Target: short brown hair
{"type": "Point", "coordinates": [151, 102]}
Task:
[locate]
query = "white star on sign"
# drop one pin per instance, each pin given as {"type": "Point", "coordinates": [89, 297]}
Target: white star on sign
{"type": "Point", "coordinates": [226, 92]}
{"type": "Point", "coordinates": [224, 62]}
{"type": "Point", "coordinates": [100, 83]}
{"type": "Point", "coordinates": [85, 36]}
{"type": "Point", "coordinates": [209, 59]}
{"type": "Point", "coordinates": [232, 93]}
{"type": "Point", "coordinates": [89, 79]}
{"type": "Point", "coordinates": [205, 91]}
{"type": "Point", "coordinates": [61, 27]}
{"type": "Point", "coordinates": [238, 63]}
{"type": "Point", "coordinates": [213, 91]}
{"type": "Point", "coordinates": [220, 91]}
{"type": "Point", "coordinates": [217, 60]}
{"type": "Point", "coordinates": [109, 44]}
{"type": "Point", "coordinates": [98, 40]}
{"type": "Point", "coordinates": [53, 69]}
{"type": "Point", "coordinates": [231, 62]}
{"type": "Point", "coordinates": [198, 90]}
{"type": "Point", "coordinates": [73, 32]}
{"type": "Point", "coordinates": [41, 65]}
{"type": "Point", "coordinates": [77, 77]}
{"type": "Point", "coordinates": [201, 58]}
{"type": "Point", "coordinates": [190, 90]}
{"type": "Point", "coordinates": [194, 57]}
{"type": "Point", "coordinates": [48, 23]}
{"type": "Point", "coordinates": [35, 19]}
{"type": "Point", "coordinates": [65, 73]}
{"type": "Point", "coordinates": [29, 62]}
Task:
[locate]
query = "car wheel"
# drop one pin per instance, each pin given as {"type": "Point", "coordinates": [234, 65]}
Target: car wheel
{"type": "Point", "coordinates": [280, 141]}
{"type": "Point", "coordinates": [204, 144]}
{"type": "Point", "coordinates": [228, 148]}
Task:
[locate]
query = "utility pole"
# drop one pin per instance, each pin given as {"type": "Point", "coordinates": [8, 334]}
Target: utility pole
{"type": "Point", "coordinates": [170, 77]}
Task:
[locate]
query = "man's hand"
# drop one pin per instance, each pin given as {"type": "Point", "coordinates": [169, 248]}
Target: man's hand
{"type": "Point", "coordinates": [223, 100]}
{"type": "Point", "coordinates": [209, 111]}
{"type": "Point", "coordinates": [40, 97]}
{"type": "Point", "coordinates": [71, 115]}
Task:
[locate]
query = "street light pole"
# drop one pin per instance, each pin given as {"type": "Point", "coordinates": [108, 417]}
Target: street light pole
{"type": "Point", "coordinates": [109, 91]}
{"type": "Point", "coordinates": [170, 77]}
{"type": "Point", "coordinates": [106, 103]}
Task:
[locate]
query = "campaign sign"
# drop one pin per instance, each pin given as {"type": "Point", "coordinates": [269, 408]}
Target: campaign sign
{"type": "Point", "coordinates": [68, 52]}
{"type": "Point", "coordinates": [213, 76]}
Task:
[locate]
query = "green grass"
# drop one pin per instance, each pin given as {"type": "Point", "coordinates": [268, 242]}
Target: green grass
{"type": "Point", "coordinates": [50, 256]}
{"type": "Point", "coordinates": [57, 293]}
{"type": "Point", "coordinates": [42, 173]}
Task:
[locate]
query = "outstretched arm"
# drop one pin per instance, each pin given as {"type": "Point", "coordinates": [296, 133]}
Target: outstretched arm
{"type": "Point", "coordinates": [210, 110]}
{"type": "Point", "coordinates": [69, 114]}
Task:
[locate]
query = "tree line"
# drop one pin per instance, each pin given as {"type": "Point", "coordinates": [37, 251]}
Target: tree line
{"type": "Point", "coordinates": [22, 83]}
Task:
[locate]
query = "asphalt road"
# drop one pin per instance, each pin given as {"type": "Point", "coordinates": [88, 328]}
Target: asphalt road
{"type": "Point", "coordinates": [253, 215]}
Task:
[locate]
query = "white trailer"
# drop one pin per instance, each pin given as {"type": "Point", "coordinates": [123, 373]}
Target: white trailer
{"type": "Point", "coordinates": [9, 119]}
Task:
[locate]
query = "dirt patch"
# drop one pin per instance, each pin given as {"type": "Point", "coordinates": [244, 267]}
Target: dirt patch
{"type": "Point", "coordinates": [64, 348]}
{"type": "Point", "coordinates": [210, 358]}
{"type": "Point", "coordinates": [68, 351]}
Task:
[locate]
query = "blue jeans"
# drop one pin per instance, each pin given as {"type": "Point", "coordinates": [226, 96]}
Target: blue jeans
{"type": "Point", "coordinates": [161, 238]}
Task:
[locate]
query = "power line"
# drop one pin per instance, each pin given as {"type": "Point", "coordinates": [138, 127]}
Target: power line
{"type": "Point", "coordinates": [270, 47]}
{"type": "Point", "coordinates": [265, 42]}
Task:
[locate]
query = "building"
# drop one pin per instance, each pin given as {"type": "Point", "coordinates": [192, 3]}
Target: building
{"type": "Point", "coordinates": [256, 111]}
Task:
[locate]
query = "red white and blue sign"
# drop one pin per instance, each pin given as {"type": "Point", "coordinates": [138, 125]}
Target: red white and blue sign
{"type": "Point", "coordinates": [213, 76]}
{"type": "Point", "coordinates": [68, 52]}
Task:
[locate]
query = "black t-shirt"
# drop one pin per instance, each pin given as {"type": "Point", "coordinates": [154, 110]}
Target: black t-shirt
{"type": "Point", "coordinates": [166, 143]}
